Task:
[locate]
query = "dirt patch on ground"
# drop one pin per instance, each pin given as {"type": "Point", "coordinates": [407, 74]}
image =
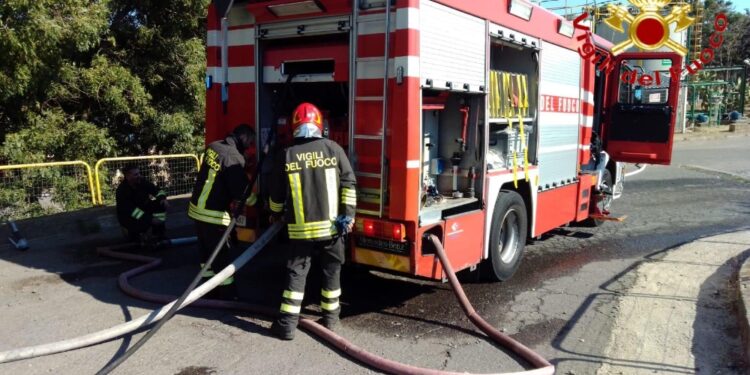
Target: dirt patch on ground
{"type": "Point", "coordinates": [35, 282]}
{"type": "Point", "coordinates": [533, 334]}
{"type": "Point", "coordinates": [197, 370]}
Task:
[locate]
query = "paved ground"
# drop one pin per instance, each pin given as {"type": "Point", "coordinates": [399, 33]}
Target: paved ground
{"type": "Point", "coordinates": [568, 300]}
{"type": "Point", "coordinates": [679, 306]}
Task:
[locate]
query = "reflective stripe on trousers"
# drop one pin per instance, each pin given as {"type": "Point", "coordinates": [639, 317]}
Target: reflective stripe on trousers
{"type": "Point", "coordinates": [291, 302]}
{"type": "Point", "coordinates": [329, 300]}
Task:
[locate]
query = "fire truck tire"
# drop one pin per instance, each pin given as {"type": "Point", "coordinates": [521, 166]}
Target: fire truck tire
{"type": "Point", "coordinates": [507, 236]}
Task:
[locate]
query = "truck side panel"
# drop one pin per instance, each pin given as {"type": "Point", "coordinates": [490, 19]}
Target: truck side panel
{"type": "Point", "coordinates": [559, 116]}
{"type": "Point", "coordinates": [555, 207]}
{"type": "Point", "coordinates": [227, 108]}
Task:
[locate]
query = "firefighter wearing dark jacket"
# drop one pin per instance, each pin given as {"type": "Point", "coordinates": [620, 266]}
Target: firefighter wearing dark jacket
{"type": "Point", "coordinates": [219, 187]}
{"type": "Point", "coordinates": [140, 206]}
{"type": "Point", "coordinates": [315, 183]}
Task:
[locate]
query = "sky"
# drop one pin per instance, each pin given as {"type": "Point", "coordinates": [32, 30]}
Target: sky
{"type": "Point", "coordinates": [739, 5]}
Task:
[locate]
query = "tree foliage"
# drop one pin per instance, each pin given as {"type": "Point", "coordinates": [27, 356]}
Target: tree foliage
{"type": "Point", "coordinates": [83, 79]}
{"type": "Point", "coordinates": [736, 44]}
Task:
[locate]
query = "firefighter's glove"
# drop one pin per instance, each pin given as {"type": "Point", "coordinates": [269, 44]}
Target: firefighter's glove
{"type": "Point", "coordinates": [236, 208]}
{"type": "Point", "coordinates": [344, 224]}
{"type": "Point", "coordinates": [276, 218]}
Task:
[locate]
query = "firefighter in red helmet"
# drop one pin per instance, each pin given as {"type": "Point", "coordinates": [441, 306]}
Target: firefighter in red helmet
{"type": "Point", "coordinates": [315, 183]}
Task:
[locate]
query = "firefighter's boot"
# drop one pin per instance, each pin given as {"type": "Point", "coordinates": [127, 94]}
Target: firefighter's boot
{"type": "Point", "coordinates": [284, 327]}
{"type": "Point", "coordinates": [205, 276]}
{"type": "Point", "coordinates": [228, 290]}
{"type": "Point", "coordinates": [330, 322]}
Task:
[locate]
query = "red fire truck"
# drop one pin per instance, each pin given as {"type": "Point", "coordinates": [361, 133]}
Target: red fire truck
{"type": "Point", "coordinates": [477, 121]}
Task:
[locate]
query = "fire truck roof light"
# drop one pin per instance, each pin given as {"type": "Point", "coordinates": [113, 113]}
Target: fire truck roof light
{"type": "Point", "coordinates": [520, 9]}
{"type": "Point", "coordinates": [565, 28]}
{"type": "Point", "coordinates": [295, 9]}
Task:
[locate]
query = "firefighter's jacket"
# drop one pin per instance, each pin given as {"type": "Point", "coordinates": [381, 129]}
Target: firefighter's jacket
{"type": "Point", "coordinates": [221, 180]}
{"type": "Point", "coordinates": [316, 182]}
{"type": "Point", "coordinates": [133, 203]}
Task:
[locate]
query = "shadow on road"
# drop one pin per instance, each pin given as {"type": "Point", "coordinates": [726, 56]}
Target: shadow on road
{"type": "Point", "coordinates": [587, 358]}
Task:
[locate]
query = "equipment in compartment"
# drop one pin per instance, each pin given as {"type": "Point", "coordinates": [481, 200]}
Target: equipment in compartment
{"type": "Point", "coordinates": [450, 151]}
{"type": "Point", "coordinates": [509, 95]}
{"type": "Point", "coordinates": [505, 142]}
{"type": "Point", "coordinates": [510, 127]}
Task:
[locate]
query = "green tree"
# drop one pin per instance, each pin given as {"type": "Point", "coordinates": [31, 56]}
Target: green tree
{"type": "Point", "coordinates": [736, 44]}
{"type": "Point", "coordinates": [83, 79]}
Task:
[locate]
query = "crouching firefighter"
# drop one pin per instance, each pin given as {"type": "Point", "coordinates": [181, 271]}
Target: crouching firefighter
{"type": "Point", "coordinates": [141, 206]}
{"type": "Point", "coordinates": [218, 191]}
{"type": "Point", "coordinates": [314, 181]}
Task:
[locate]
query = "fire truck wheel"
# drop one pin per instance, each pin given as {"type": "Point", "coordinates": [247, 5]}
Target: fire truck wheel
{"type": "Point", "coordinates": [507, 236]}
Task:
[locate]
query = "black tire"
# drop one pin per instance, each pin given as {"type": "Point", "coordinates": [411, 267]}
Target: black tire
{"type": "Point", "coordinates": [606, 191]}
{"type": "Point", "coordinates": [507, 237]}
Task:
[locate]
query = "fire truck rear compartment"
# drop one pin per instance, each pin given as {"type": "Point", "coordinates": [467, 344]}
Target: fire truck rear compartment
{"type": "Point", "coordinates": [452, 154]}
{"type": "Point", "coordinates": [330, 97]}
{"type": "Point", "coordinates": [305, 69]}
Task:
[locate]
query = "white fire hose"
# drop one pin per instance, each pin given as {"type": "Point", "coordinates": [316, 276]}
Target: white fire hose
{"type": "Point", "coordinates": [145, 320]}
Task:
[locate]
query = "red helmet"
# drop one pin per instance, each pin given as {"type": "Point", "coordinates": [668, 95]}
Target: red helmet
{"type": "Point", "coordinates": [307, 121]}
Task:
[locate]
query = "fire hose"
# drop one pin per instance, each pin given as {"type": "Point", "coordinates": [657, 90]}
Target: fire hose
{"type": "Point", "coordinates": [145, 320]}
{"type": "Point", "coordinates": [541, 365]}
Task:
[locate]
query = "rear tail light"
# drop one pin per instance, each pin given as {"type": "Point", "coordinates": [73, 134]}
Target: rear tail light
{"type": "Point", "coordinates": [369, 228]}
{"type": "Point", "coordinates": [397, 232]}
{"type": "Point", "coordinates": [382, 229]}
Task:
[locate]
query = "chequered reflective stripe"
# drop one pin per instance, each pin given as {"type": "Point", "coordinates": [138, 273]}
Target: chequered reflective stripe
{"type": "Point", "coordinates": [161, 193]}
{"type": "Point", "coordinates": [291, 302]}
{"type": "Point", "coordinates": [137, 213]}
{"type": "Point", "coordinates": [160, 216]}
{"type": "Point", "coordinates": [329, 300]}
{"type": "Point", "coordinates": [332, 184]}
{"type": "Point", "coordinates": [275, 207]}
{"type": "Point", "coordinates": [349, 196]}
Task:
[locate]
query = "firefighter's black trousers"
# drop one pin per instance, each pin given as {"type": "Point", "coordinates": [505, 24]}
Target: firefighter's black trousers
{"type": "Point", "coordinates": [331, 253]}
{"type": "Point", "coordinates": [154, 218]}
{"type": "Point", "coordinates": [209, 236]}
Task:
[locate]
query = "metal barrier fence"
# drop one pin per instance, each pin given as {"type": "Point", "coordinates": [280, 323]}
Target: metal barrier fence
{"type": "Point", "coordinates": [174, 174]}
{"type": "Point", "coordinates": [28, 190]}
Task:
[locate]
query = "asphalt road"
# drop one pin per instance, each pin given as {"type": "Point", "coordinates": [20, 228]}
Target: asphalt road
{"type": "Point", "coordinates": [560, 303]}
{"type": "Point", "coordinates": [562, 299]}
